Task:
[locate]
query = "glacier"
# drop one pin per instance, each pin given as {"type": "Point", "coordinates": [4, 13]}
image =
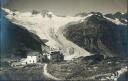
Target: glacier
{"type": "Point", "coordinates": [49, 28]}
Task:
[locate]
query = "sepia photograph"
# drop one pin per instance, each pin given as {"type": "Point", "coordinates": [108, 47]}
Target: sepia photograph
{"type": "Point", "coordinates": [63, 40]}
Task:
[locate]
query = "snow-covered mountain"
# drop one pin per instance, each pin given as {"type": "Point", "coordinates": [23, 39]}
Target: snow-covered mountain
{"type": "Point", "coordinates": [117, 18]}
{"type": "Point", "coordinates": [46, 25]}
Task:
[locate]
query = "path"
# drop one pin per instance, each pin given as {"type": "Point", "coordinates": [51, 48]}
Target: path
{"type": "Point", "coordinates": [45, 72]}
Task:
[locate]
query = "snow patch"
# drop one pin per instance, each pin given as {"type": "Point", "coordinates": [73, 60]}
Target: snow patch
{"type": "Point", "coordinates": [116, 21]}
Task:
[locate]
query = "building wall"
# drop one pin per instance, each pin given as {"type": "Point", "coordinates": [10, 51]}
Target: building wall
{"type": "Point", "coordinates": [57, 57]}
{"type": "Point", "coordinates": [49, 57]}
{"type": "Point", "coordinates": [30, 60]}
{"type": "Point", "coordinates": [40, 58]}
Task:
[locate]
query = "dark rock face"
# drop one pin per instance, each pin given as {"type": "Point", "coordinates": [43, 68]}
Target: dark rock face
{"type": "Point", "coordinates": [94, 58]}
{"type": "Point", "coordinates": [18, 39]}
{"type": "Point", "coordinates": [28, 39]}
{"type": "Point", "coordinates": [100, 36]}
{"type": "Point", "coordinates": [123, 77]}
{"type": "Point", "coordinates": [120, 16]}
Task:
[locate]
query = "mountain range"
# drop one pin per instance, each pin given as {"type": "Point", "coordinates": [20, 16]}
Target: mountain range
{"type": "Point", "coordinates": [81, 35]}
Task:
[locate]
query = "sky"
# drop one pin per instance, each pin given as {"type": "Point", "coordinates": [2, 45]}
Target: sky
{"type": "Point", "coordinates": [68, 7]}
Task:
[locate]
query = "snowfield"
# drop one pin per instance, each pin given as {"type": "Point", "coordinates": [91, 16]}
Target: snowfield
{"type": "Point", "coordinates": [49, 28]}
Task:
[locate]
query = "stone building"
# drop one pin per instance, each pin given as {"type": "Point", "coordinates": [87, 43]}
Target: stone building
{"type": "Point", "coordinates": [56, 56]}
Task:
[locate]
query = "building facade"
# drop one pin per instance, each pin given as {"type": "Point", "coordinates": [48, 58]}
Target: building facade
{"type": "Point", "coordinates": [32, 58]}
{"type": "Point", "coordinates": [56, 56]}
{"type": "Point", "coordinates": [36, 57]}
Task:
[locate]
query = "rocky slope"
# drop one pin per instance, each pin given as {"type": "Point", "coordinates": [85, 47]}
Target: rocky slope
{"type": "Point", "coordinates": [122, 17]}
{"type": "Point", "coordinates": [100, 35]}
{"type": "Point", "coordinates": [91, 68]}
{"type": "Point", "coordinates": [16, 39]}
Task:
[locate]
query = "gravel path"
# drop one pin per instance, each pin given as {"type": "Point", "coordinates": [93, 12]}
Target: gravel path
{"type": "Point", "coordinates": [45, 71]}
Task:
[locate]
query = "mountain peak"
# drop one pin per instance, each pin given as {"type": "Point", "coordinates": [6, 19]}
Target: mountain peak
{"type": "Point", "coordinates": [96, 14]}
{"type": "Point", "coordinates": [83, 14]}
